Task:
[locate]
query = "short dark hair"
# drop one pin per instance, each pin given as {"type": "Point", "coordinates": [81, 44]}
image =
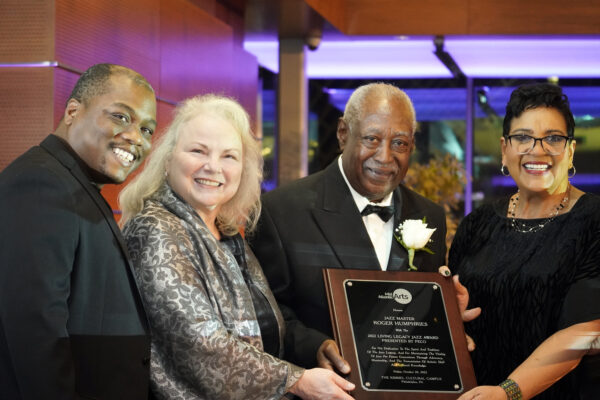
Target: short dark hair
{"type": "Point", "coordinates": [534, 95]}
{"type": "Point", "coordinates": [94, 81]}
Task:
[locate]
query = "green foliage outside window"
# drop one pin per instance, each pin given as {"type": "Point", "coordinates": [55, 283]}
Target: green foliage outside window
{"type": "Point", "coordinates": [442, 180]}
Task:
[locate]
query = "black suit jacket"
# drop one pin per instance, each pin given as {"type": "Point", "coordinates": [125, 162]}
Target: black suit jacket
{"type": "Point", "coordinates": [314, 223]}
{"type": "Point", "coordinates": [72, 323]}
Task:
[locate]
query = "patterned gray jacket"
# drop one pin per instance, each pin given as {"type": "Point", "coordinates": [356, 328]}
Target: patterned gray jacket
{"type": "Point", "coordinates": [206, 341]}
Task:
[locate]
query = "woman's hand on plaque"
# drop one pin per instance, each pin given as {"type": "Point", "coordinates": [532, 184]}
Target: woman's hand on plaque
{"type": "Point", "coordinates": [462, 298]}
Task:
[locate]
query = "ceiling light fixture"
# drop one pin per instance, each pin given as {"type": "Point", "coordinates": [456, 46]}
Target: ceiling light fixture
{"type": "Point", "coordinates": [446, 58]}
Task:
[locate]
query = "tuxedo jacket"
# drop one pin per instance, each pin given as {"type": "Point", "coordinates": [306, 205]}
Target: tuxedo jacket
{"type": "Point", "coordinates": [72, 323]}
{"type": "Point", "coordinates": [314, 223]}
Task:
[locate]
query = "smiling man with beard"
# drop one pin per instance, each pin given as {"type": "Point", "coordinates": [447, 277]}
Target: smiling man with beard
{"type": "Point", "coordinates": [72, 323]}
{"type": "Point", "coordinates": [323, 220]}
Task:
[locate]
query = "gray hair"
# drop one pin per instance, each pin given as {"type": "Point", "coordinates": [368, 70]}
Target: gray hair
{"type": "Point", "coordinates": [354, 106]}
{"type": "Point", "coordinates": [244, 207]}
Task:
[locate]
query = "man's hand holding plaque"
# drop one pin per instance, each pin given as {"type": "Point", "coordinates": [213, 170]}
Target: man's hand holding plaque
{"type": "Point", "coordinates": [329, 357]}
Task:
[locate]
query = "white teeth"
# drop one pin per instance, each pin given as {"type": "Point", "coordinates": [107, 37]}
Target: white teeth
{"type": "Point", "coordinates": [123, 155]}
{"type": "Point", "coordinates": [207, 182]}
{"type": "Point", "coordinates": [537, 167]}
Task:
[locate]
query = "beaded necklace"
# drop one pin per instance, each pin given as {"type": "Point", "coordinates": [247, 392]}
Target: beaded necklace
{"type": "Point", "coordinates": [523, 227]}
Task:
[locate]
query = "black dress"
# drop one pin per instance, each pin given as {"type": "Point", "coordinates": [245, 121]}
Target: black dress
{"type": "Point", "coordinates": [529, 285]}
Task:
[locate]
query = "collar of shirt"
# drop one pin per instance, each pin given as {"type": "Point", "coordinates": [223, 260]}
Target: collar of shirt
{"type": "Point", "coordinates": [381, 233]}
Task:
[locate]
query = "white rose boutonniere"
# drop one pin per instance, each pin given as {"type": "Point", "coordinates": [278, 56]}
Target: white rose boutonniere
{"type": "Point", "coordinates": [413, 235]}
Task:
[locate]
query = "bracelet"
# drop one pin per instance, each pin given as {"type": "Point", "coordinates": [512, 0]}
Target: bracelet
{"type": "Point", "coordinates": [513, 391]}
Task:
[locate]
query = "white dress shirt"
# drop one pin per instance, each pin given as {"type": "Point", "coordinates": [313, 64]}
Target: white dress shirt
{"type": "Point", "coordinates": [381, 233]}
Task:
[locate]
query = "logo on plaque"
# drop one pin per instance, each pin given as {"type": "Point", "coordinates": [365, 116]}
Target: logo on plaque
{"type": "Point", "coordinates": [402, 296]}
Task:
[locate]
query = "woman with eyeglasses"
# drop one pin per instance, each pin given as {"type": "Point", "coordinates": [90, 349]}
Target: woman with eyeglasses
{"type": "Point", "coordinates": [532, 263]}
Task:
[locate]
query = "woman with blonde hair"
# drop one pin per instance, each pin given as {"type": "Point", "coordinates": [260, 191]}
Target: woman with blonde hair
{"type": "Point", "coordinates": [217, 332]}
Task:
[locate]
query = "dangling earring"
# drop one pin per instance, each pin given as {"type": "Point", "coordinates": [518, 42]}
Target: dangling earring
{"type": "Point", "coordinates": [504, 170]}
{"type": "Point", "coordinates": [569, 174]}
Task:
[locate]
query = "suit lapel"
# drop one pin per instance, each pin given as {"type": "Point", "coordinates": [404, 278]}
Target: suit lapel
{"type": "Point", "coordinates": [398, 255]}
{"type": "Point", "coordinates": [338, 218]}
{"type": "Point", "coordinates": [409, 209]}
{"type": "Point", "coordinates": [56, 147]}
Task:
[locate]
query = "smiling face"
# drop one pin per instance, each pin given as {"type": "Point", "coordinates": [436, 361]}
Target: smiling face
{"type": "Point", "coordinates": [205, 167]}
{"type": "Point", "coordinates": [112, 132]}
{"type": "Point", "coordinates": [376, 151]}
{"type": "Point", "coordinates": [538, 171]}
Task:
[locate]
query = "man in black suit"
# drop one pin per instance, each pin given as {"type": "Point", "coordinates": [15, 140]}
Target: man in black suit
{"type": "Point", "coordinates": [316, 222]}
{"type": "Point", "coordinates": [72, 323]}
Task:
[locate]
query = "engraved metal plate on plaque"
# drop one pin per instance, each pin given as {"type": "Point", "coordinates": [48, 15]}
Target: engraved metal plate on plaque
{"type": "Point", "coordinates": [401, 332]}
{"type": "Point", "coordinates": [402, 337]}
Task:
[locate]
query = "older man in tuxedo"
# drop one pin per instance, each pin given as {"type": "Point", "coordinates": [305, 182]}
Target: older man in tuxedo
{"type": "Point", "coordinates": [344, 217]}
{"type": "Point", "coordinates": [72, 323]}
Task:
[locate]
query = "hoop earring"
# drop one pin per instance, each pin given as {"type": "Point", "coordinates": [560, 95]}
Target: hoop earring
{"type": "Point", "coordinates": [569, 174]}
{"type": "Point", "coordinates": [504, 170]}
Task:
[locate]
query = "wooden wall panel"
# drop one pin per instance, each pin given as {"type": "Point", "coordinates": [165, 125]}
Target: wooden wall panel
{"type": "Point", "coordinates": [533, 17]}
{"type": "Point", "coordinates": [26, 31]}
{"type": "Point", "coordinates": [196, 52]}
{"type": "Point", "coordinates": [245, 81]}
{"type": "Point", "coordinates": [477, 17]}
{"type": "Point", "coordinates": [25, 110]}
{"type": "Point", "coordinates": [424, 17]}
{"type": "Point", "coordinates": [164, 115]}
{"type": "Point", "coordinates": [210, 6]}
{"type": "Point", "coordinates": [333, 11]}
{"type": "Point", "coordinates": [393, 17]}
{"type": "Point", "coordinates": [233, 18]}
{"type": "Point", "coordinates": [64, 81]}
{"type": "Point", "coordinates": [122, 32]}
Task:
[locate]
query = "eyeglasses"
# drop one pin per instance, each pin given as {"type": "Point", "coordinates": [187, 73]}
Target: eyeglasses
{"type": "Point", "coordinates": [552, 144]}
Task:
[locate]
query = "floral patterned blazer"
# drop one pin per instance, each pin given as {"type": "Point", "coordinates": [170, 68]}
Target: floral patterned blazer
{"type": "Point", "coordinates": [206, 341]}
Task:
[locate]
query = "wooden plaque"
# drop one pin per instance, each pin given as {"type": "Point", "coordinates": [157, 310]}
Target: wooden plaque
{"type": "Point", "coordinates": [401, 332]}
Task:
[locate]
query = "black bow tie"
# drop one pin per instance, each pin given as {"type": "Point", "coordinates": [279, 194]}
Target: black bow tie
{"type": "Point", "coordinates": [385, 213]}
